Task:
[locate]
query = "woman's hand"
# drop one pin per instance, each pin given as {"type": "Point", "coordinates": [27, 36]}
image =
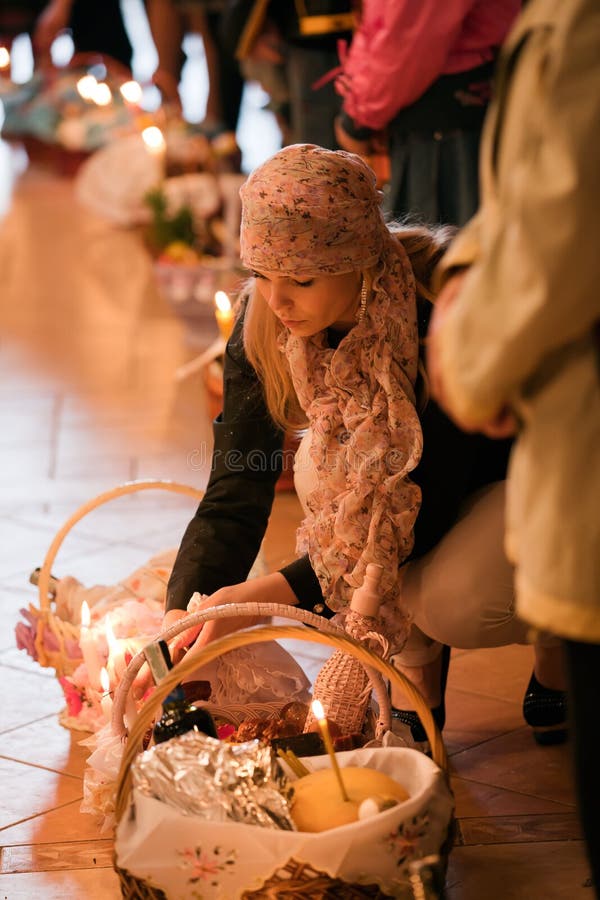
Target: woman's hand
{"type": "Point", "coordinates": [268, 589]}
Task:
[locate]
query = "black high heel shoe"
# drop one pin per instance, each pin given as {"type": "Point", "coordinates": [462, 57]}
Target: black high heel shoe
{"type": "Point", "coordinates": [411, 718]}
{"type": "Point", "coordinates": [545, 710]}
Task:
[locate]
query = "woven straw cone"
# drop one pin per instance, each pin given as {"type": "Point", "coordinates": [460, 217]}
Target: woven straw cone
{"type": "Point", "coordinates": [62, 630]}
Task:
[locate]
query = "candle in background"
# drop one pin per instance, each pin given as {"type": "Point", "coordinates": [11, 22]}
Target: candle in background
{"type": "Point", "coordinates": [319, 714]}
{"type": "Point", "coordinates": [106, 703]}
{"type": "Point", "coordinates": [101, 94]}
{"type": "Point", "coordinates": [89, 647]}
{"type": "Point", "coordinates": [116, 663]}
{"type": "Point", "coordinates": [224, 314]}
{"type": "Point", "coordinates": [86, 86]}
{"type": "Point", "coordinates": [131, 92]}
{"type": "Point", "coordinates": [4, 61]}
{"type": "Point", "coordinates": [155, 144]}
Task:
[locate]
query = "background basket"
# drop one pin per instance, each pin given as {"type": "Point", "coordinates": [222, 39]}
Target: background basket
{"type": "Point", "coordinates": [46, 615]}
{"type": "Point", "coordinates": [307, 883]}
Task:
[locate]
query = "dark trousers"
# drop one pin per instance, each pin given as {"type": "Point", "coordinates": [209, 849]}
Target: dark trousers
{"type": "Point", "coordinates": [583, 672]}
{"type": "Point", "coordinates": [434, 177]}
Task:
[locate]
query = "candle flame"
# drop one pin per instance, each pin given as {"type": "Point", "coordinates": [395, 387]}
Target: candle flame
{"type": "Point", "coordinates": [153, 138]}
{"type": "Point", "coordinates": [85, 615]}
{"type": "Point", "coordinates": [86, 86]}
{"type": "Point", "coordinates": [104, 680]}
{"type": "Point", "coordinates": [4, 58]}
{"type": "Point", "coordinates": [317, 708]}
{"type": "Point", "coordinates": [222, 301]}
{"type": "Point", "coordinates": [102, 95]}
{"type": "Point", "coordinates": [131, 91]}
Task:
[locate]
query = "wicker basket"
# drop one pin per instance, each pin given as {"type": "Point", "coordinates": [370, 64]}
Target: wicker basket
{"type": "Point", "coordinates": [295, 879]}
{"type": "Point", "coordinates": [46, 615]}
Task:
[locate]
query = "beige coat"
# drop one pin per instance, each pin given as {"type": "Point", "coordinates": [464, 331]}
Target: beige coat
{"type": "Point", "coordinates": [521, 331]}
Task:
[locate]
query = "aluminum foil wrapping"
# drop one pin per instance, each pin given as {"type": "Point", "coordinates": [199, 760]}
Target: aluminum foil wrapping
{"type": "Point", "coordinates": [220, 782]}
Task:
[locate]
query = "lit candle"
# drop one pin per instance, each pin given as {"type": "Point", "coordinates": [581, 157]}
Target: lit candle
{"type": "Point", "coordinates": [4, 60]}
{"type": "Point", "coordinates": [86, 86]}
{"type": "Point", "coordinates": [89, 647]}
{"type": "Point", "coordinates": [224, 314]}
{"type": "Point", "coordinates": [101, 94]}
{"type": "Point", "coordinates": [106, 703]}
{"type": "Point", "coordinates": [156, 146]}
{"type": "Point", "coordinates": [131, 92]}
{"type": "Point", "coordinates": [319, 714]}
{"type": "Point", "coordinates": [116, 663]}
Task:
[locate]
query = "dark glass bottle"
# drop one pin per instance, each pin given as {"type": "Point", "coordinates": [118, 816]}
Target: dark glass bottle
{"type": "Point", "coordinates": [179, 715]}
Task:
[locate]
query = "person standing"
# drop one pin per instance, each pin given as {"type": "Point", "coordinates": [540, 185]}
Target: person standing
{"type": "Point", "coordinates": [514, 343]}
{"type": "Point", "coordinates": [422, 72]}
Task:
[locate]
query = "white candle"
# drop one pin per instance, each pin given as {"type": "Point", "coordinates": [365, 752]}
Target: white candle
{"type": "Point", "coordinates": [116, 664]}
{"type": "Point", "coordinates": [89, 648]}
{"type": "Point", "coordinates": [156, 147]}
{"type": "Point", "coordinates": [101, 94]}
{"type": "Point", "coordinates": [131, 92]}
{"type": "Point", "coordinates": [106, 703]}
{"type": "Point", "coordinates": [86, 87]}
{"type": "Point", "coordinates": [224, 314]}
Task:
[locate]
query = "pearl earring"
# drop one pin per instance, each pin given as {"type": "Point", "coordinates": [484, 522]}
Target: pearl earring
{"type": "Point", "coordinates": [363, 302]}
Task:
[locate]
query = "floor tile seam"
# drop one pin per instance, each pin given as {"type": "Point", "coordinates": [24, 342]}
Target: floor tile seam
{"type": "Point", "coordinates": [47, 868]}
{"type": "Point", "coordinates": [16, 668]}
{"type": "Point", "coordinates": [31, 765]}
{"type": "Point", "coordinates": [38, 815]}
{"type": "Point", "coordinates": [481, 743]}
{"type": "Point", "coordinates": [459, 690]}
{"type": "Point", "coordinates": [511, 790]}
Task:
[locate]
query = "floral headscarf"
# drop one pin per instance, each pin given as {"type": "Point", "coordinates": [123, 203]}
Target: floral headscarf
{"type": "Point", "coordinates": [309, 211]}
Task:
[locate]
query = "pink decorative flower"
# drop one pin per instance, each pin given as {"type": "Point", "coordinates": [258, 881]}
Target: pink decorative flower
{"type": "Point", "coordinates": [73, 696]}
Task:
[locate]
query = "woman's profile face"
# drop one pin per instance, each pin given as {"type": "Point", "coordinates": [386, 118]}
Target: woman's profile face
{"type": "Point", "coordinates": [306, 306]}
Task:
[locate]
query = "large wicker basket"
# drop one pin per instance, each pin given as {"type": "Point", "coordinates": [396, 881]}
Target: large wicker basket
{"type": "Point", "coordinates": [296, 879]}
{"type": "Point", "coordinates": [46, 616]}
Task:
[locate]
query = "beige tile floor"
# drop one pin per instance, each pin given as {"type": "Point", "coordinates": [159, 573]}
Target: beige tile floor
{"type": "Point", "coordinates": [88, 349]}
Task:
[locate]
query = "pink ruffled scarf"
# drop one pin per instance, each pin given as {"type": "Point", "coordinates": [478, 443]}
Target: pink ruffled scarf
{"type": "Point", "coordinates": [366, 439]}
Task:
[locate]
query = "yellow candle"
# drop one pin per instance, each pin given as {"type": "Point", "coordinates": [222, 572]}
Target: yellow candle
{"type": "Point", "coordinates": [319, 714]}
{"type": "Point", "coordinates": [224, 314]}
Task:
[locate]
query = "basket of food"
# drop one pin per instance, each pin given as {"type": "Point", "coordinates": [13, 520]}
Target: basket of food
{"type": "Point", "coordinates": [191, 810]}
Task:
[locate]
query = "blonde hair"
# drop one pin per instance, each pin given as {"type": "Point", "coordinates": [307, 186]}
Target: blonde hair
{"type": "Point", "coordinates": [424, 247]}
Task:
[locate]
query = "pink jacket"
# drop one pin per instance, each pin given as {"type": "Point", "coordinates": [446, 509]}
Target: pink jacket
{"type": "Point", "coordinates": [402, 46]}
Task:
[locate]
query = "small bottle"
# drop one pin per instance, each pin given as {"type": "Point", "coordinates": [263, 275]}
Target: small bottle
{"type": "Point", "coordinates": [342, 685]}
{"type": "Point", "coordinates": [179, 715]}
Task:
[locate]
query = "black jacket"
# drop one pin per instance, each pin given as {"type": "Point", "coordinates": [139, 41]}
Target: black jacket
{"type": "Point", "coordinates": [221, 542]}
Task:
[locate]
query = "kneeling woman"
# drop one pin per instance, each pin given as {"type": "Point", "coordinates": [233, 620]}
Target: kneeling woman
{"type": "Point", "coordinates": [326, 343]}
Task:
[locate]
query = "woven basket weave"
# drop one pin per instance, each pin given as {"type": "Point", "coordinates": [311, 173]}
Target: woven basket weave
{"type": "Point", "coordinates": [296, 880]}
{"type": "Point", "coordinates": [46, 615]}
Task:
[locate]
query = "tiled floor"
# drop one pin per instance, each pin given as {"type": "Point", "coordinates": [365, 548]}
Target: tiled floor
{"type": "Point", "coordinates": [88, 350]}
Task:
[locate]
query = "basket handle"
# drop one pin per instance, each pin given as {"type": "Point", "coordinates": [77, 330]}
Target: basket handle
{"type": "Point", "coordinates": [129, 487]}
{"type": "Point", "coordinates": [232, 610]}
{"type": "Point", "coordinates": [337, 640]}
